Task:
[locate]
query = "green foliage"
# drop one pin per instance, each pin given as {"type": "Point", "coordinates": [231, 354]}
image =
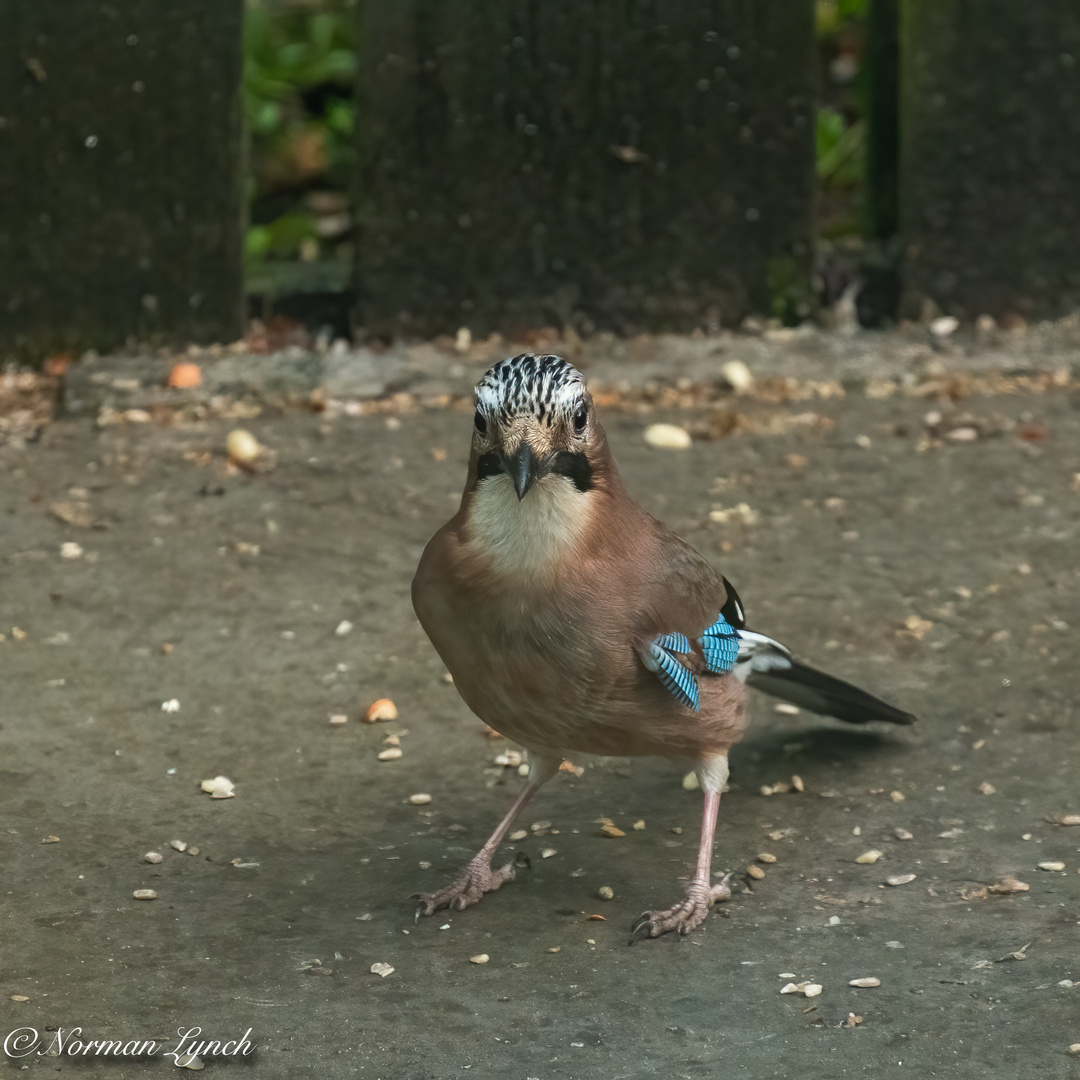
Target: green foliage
{"type": "Point", "coordinates": [841, 149]}
{"type": "Point", "coordinates": [299, 72]}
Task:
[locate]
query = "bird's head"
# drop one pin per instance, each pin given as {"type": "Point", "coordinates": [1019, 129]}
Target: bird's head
{"type": "Point", "coordinates": [535, 418]}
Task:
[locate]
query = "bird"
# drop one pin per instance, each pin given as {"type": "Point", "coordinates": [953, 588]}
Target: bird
{"type": "Point", "coordinates": [574, 622]}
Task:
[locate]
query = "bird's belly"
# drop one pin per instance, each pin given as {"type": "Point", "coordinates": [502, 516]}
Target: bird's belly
{"type": "Point", "coordinates": [548, 689]}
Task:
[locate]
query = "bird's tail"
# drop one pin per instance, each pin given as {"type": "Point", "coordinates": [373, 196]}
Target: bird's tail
{"type": "Point", "coordinates": [767, 666]}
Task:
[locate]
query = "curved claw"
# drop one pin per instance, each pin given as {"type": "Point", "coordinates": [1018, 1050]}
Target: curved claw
{"type": "Point", "coordinates": [477, 879]}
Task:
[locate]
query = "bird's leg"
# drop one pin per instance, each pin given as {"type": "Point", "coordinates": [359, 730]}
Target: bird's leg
{"type": "Point", "coordinates": [701, 894]}
{"type": "Point", "coordinates": [479, 876]}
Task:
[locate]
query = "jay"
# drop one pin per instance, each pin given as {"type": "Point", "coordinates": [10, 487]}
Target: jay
{"type": "Point", "coordinates": [572, 621]}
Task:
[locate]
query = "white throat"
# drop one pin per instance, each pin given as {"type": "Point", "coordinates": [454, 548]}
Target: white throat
{"type": "Point", "coordinates": [527, 537]}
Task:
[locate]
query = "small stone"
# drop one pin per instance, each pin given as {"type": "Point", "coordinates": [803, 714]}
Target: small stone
{"type": "Point", "coordinates": [870, 980]}
{"type": "Point", "coordinates": [797, 783]}
{"type": "Point", "coordinates": [382, 970]}
{"type": "Point", "coordinates": [786, 708]}
{"type": "Point", "coordinates": [383, 709]}
{"type": "Point", "coordinates": [903, 834]}
{"type": "Point", "coordinates": [50, 839]}
{"type": "Point", "coordinates": [338, 718]}
{"type": "Point", "coordinates": [479, 958]}
{"type": "Point", "coordinates": [144, 894]}
{"type": "Point", "coordinates": [391, 753]}
{"type": "Point", "coordinates": [791, 988]}
{"type": "Point", "coordinates": [812, 989]}
{"type": "Point", "coordinates": [606, 892]}
{"type": "Point", "coordinates": [71, 550]}
{"type": "Point", "coordinates": [392, 740]}
{"type": "Point", "coordinates": [834, 920]}
{"type": "Point", "coordinates": [765, 857]}
{"type": "Point", "coordinates": [178, 845]}
{"type": "Point", "coordinates": [153, 857]}
{"type": "Point", "coordinates": [189, 1061]}
{"type": "Point", "coordinates": [344, 627]}
{"type": "Point", "coordinates": [667, 437]}
{"type": "Point", "coordinates": [690, 782]}
{"type": "Point", "coordinates": [421, 798]}
{"type": "Point", "coordinates": [852, 1020]}
{"type": "Point", "coordinates": [1052, 865]}
{"type": "Point", "coordinates": [870, 856]}
{"type": "Point", "coordinates": [170, 706]}
{"type": "Point", "coordinates": [1007, 885]}
{"type": "Point", "coordinates": [1074, 1048]}
{"type": "Point", "coordinates": [193, 851]}
{"type": "Point", "coordinates": [639, 825]}
{"type": "Point", "coordinates": [755, 872]}
{"type": "Point", "coordinates": [1065, 819]}
{"type": "Point", "coordinates": [986, 788]}
{"type": "Point", "coordinates": [900, 879]}
{"type": "Point", "coordinates": [896, 796]}
{"type": "Point", "coordinates": [609, 828]}
{"type": "Point", "coordinates": [548, 852]}
{"type": "Point", "coordinates": [518, 834]}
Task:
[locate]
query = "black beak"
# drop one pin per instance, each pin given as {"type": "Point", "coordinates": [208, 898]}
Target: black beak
{"type": "Point", "coordinates": [524, 469]}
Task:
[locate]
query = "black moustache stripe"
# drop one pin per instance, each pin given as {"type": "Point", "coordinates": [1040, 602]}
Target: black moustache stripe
{"type": "Point", "coordinates": [574, 466]}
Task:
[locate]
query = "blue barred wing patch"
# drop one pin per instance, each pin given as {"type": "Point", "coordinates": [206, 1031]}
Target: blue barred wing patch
{"type": "Point", "coordinates": [720, 644]}
{"type": "Point", "coordinates": [672, 673]}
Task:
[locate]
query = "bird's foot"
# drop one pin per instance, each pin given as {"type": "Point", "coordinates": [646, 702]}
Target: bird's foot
{"type": "Point", "coordinates": [479, 877]}
{"type": "Point", "coordinates": [683, 917]}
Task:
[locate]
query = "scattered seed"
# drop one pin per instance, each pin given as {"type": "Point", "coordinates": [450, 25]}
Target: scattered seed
{"type": "Point", "coordinates": [570, 767]}
{"type": "Point", "coordinates": [797, 783]}
{"type": "Point", "coordinates": [787, 708]}
{"type": "Point", "coordinates": [609, 828]}
{"type": "Point", "coordinates": [392, 740]}
{"type": "Point", "coordinates": [812, 989]}
{"type": "Point", "coordinates": [144, 894]}
{"type": "Point", "coordinates": [381, 970]}
{"type": "Point", "coordinates": [50, 839]}
{"type": "Point", "coordinates": [900, 879]}
{"type": "Point", "coordinates": [71, 550]}
{"type": "Point", "coordinates": [738, 375]}
{"type": "Point", "coordinates": [1051, 865]}
{"type": "Point", "coordinates": [667, 437]}
{"type": "Point", "coordinates": [1065, 819]}
{"type": "Point", "coordinates": [792, 988]}
{"type": "Point", "coordinates": [690, 782]}
{"type": "Point", "coordinates": [896, 796]}
{"type": "Point", "coordinates": [171, 706]}
{"type": "Point", "coordinates": [184, 376]}
{"type": "Point", "coordinates": [242, 447]}
{"type": "Point", "coordinates": [765, 857]}
{"type": "Point", "coordinates": [639, 825]}
{"type": "Point", "coordinates": [221, 787]}
{"type": "Point", "coordinates": [19, 997]}
{"type": "Point", "coordinates": [339, 718]}
{"type": "Point", "coordinates": [852, 1020]}
{"type": "Point", "coordinates": [903, 834]}
{"type": "Point", "coordinates": [870, 856]}
{"type": "Point", "coordinates": [178, 845]}
{"type": "Point", "coordinates": [343, 628]}
{"type": "Point", "coordinates": [479, 958]}
{"type": "Point", "coordinates": [986, 788]}
{"type": "Point", "coordinates": [510, 759]}
{"type": "Point", "coordinates": [1074, 1048]}
{"type": "Point", "coordinates": [518, 834]}
{"type": "Point", "coordinates": [541, 827]}
{"type": "Point", "coordinates": [391, 753]}
{"type": "Point", "coordinates": [606, 892]}
{"type": "Point", "coordinates": [153, 857]}
{"type": "Point", "coordinates": [1007, 885]}
{"type": "Point", "coordinates": [755, 872]}
{"type": "Point", "coordinates": [383, 709]}
{"type": "Point", "coordinates": [421, 798]}
{"type": "Point", "coordinates": [548, 852]}
{"type": "Point", "coordinates": [870, 980]}
{"type": "Point", "coordinates": [834, 920]}
{"type": "Point", "coordinates": [189, 1061]}
{"type": "Point", "coordinates": [193, 851]}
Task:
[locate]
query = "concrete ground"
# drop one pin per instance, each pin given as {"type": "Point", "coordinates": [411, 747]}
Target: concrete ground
{"type": "Point", "coordinates": [931, 559]}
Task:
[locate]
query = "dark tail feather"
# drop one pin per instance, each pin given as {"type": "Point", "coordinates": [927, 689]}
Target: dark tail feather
{"type": "Point", "coordinates": [814, 690]}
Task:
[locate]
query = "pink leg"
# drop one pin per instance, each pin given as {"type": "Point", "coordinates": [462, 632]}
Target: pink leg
{"type": "Point", "coordinates": [700, 894]}
{"type": "Point", "coordinates": [479, 876]}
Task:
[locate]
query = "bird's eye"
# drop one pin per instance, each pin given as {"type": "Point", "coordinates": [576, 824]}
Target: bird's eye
{"type": "Point", "coordinates": [581, 417]}
{"type": "Point", "coordinates": [480, 422]}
